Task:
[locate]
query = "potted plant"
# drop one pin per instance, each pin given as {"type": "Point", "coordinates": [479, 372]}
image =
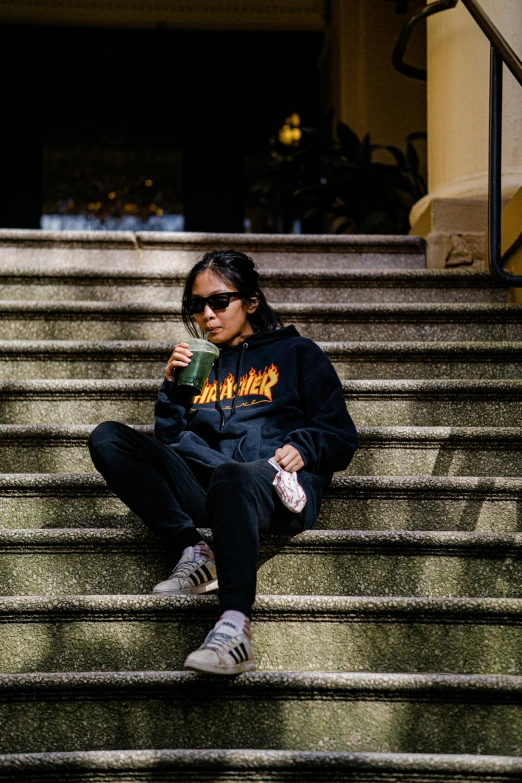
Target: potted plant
{"type": "Point", "coordinates": [334, 185]}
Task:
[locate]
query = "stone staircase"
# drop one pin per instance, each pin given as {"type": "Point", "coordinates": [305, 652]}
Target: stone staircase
{"type": "Point", "coordinates": [388, 639]}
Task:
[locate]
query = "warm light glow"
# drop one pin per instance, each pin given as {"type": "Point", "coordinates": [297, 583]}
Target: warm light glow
{"type": "Point", "coordinates": [112, 195]}
{"type": "Point", "coordinates": [131, 208]}
{"type": "Point", "coordinates": [289, 135]}
{"type": "Point", "coordinates": [148, 183]}
{"type": "Point", "coordinates": [153, 207]}
{"type": "Point", "coordinates": [286, 136]}
{"type": "Point", "coordinates": [159, 212]}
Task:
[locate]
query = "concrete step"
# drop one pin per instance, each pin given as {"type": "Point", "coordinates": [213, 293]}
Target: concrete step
{"type": "Point", "coordinates": [413, 713]}
{"type": "Point", "coordinates": [58, 501]}
{"type": "Point", "coordinates": [177, 252]}
{"type": "Point", "coordinates": [66, 320]}
{"type": "Point", "coordinates": [317, 562]}
{"type": "Point", "coordinates": [373, 403]}
{"type": "Point", "coordinates": [453, 403]}
{"type": "Point", "coordinates": [20, 359]}
{"type": "Point", "coordinates": [439, 451]}
{"type": "Point", "coordinates": [98, 546]}
{"type": "Point", "coordinates": [354, 285]}
{"type": "Point", "coordinates": [138, 633]}
{"type": "Point", "coordinates": [423, 360]}
{"type": "Point", "coordinates": [409, 451]}
{"type": "Point", "coordinates": [265, 766]}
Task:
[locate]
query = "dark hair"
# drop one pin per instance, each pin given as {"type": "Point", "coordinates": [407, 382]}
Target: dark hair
{"type": "Point", "coordinates": [238, 270]}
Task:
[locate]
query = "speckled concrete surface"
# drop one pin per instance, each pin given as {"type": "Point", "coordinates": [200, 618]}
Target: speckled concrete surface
{"type": "Point", "coordinates": [352, 502]}
{"type": "Point", "coordinates": [308, 285]}
{"type": "Point", "coordinates": [48, 448]}
{"type": "Point", "coordinates": [253, 766]}
{"type": "Point", "coordinates": [331, 600]}
{"type": "Point", "coordinates": [425, 360]}
{"type": "Point", "coordinates": [115, 633]}
{"type": "Point", "coordinates": [291, 710]}
{"type": "Point", "coordinates": [350, 562]}
{"type": "Point", "coordinates": [77, 401]}
{"type": "Point", "coordinates": [371, 402]}
{"type": "Point", "coordinates": [21, 359]}
{"type": "Point", "coordinates": [137, 359]}
{"type": "Point", "coordinates": [89, 320]}
{"type": "Point", "coordinates": [259, 766]}
{"type": "Point", "coordinates": [454, 403]}
{"type": "Point", "coordinates": [170, 252]}
{"type": "Point", "coordinates": [442, 451]}
{"type": "Point", "coordinates": [439, 451]}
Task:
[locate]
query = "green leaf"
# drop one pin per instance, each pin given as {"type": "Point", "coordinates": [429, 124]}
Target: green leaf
{"type": "Point", "coordinates": [400, 157]}
{"type": "Point", "coordinates": [336, 185]}
{"type": "Point", "coordinates": [417, 135]}
{"type": "Point", "coordinates": [349, 141]}
{"type": "Point", "coordinates": [413, 158]}
{"type": "Point", "coordinates": [365, 152]}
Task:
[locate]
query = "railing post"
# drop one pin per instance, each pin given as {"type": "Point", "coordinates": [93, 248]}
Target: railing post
{"type": "Point", "coordinates": [496, 262]}
{"type": "Point", "coordinates": [495, 163]}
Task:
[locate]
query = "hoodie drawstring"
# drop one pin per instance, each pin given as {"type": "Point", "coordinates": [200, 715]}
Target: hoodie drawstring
{"type": "Point", "coordinates": [239, 369]}
{"type": "Point", "coordinates": [218, 394]}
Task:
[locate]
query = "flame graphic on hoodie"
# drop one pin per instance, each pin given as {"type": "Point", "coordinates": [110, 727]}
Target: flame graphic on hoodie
{"type": "Point", "coordinates": [253, 383]}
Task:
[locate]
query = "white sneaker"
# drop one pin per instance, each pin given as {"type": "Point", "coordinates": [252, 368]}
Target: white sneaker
{"type": "Point", "coordinates": [190, 576]}
{"type": "Point", "coordinates": [226, 650]}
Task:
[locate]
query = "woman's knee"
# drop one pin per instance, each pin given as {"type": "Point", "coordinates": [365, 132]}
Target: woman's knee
{"type": "Point", "coordinates": [106, 432]}
{"type": "Point", "coordinates": [240, 486]}
{"type": "Point", "coordinates": [237, 473]}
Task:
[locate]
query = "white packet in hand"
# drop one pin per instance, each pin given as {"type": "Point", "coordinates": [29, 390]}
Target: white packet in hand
{"type": "Point", "coordinates": [288, 488]}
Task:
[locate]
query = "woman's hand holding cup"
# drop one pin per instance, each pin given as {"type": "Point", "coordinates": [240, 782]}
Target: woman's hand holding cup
{"type": "Point", "coordinates": [180, 357]}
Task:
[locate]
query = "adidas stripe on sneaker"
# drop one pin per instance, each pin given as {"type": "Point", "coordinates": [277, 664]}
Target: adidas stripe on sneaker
{"type": "Point", "coordinates": [226, 650]}
{"type": "Point", "coordinates": [191, 576]}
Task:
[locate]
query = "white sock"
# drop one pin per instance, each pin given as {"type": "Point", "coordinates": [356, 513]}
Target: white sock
{"type": "Point", "coordinates": [236, 617]}
{"type": "Point", "coordinates": [202, 549]}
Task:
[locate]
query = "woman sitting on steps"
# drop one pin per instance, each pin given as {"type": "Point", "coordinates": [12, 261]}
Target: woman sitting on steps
{"type": "Point", "coordinates": [271, 394]}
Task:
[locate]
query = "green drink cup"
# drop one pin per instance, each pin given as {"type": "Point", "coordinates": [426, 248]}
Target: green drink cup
{"type": "Point", "coordinates": [195, 374]}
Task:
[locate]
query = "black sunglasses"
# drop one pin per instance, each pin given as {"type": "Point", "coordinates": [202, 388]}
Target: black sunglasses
{"type": "Point", "coordinates": [196, 304]}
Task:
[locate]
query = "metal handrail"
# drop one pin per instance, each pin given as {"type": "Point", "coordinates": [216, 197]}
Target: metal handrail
{"type": "Point", "coordinates": [501, 52]}
{"type": "Point", "coordinates": [496, 38]}
{"type": "Point", "coordinates": [402, 43]}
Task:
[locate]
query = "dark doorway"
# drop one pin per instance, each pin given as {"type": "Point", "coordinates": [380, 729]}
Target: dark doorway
{"type": "Point", "coordinates": [147, 123]}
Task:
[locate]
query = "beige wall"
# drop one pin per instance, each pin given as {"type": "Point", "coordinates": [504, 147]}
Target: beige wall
{"type": "Point", "coordinates": [458, 103]}
{"type": "Point", "coordinates": [367, 92]}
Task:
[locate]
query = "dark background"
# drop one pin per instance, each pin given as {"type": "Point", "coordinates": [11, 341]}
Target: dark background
{"type": "Point", "coordinates": [89, 111]}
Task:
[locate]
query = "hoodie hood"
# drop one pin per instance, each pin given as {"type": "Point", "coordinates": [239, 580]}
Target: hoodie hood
{"type": "Point", "coordinates": [263, 338]}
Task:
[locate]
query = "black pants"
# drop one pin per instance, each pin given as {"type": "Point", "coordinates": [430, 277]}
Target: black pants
{"type": "Point", "coordinates": [236, 500]}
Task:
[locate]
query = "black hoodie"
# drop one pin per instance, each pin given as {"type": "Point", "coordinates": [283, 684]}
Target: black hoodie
{"type": "Point", "coordinates": [288, 392]}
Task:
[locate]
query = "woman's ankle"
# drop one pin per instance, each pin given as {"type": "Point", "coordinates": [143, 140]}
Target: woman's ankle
{"type": "Point", "coordinates": [239, 619]}
{"type": "Point", "coordinates": [202, 548]}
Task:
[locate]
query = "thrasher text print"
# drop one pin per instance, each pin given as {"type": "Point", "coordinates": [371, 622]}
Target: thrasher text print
{"type": "Point", "coordinates": [252, 384]}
